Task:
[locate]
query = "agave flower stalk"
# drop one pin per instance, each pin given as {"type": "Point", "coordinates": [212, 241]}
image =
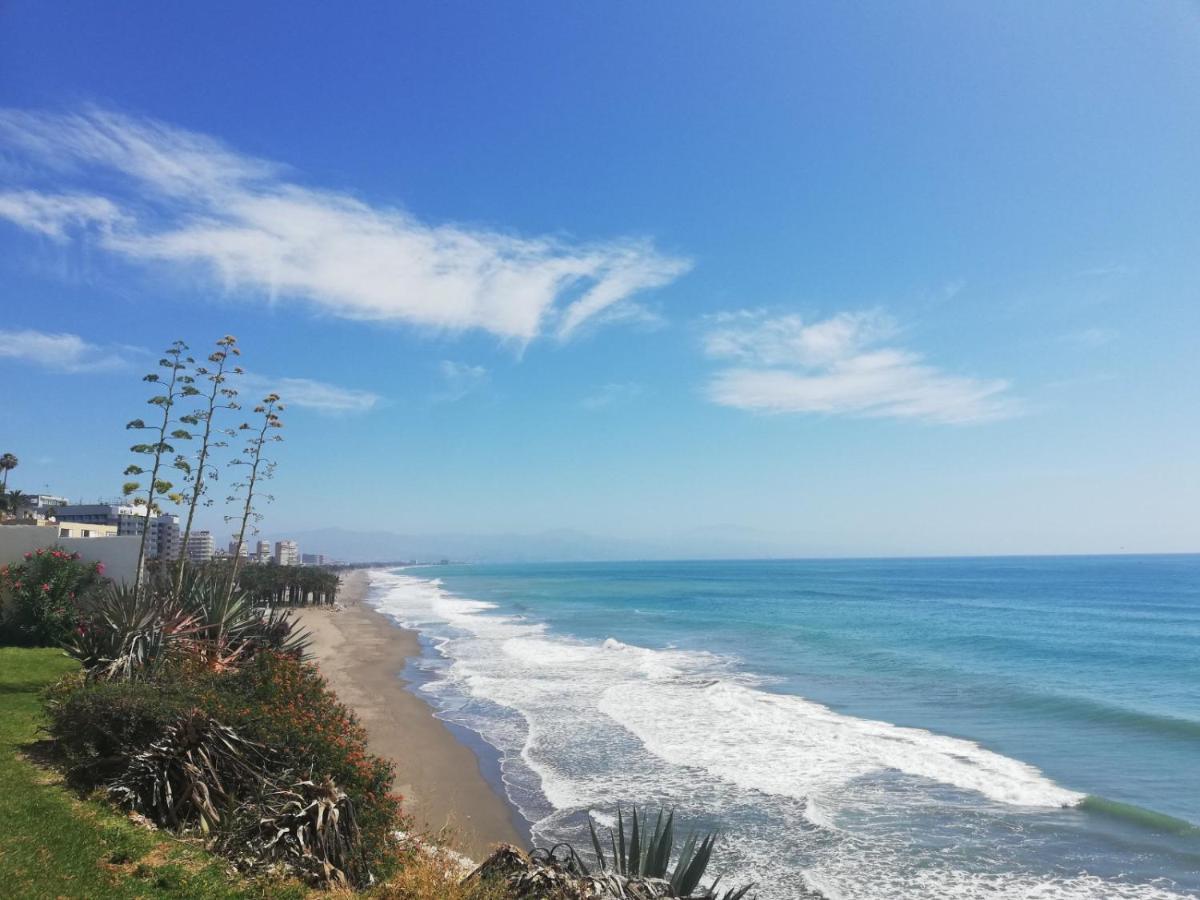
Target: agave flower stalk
{"type": "Point", "coordinates": [261, 468]}
{"type": "Point", "coordinates": [177, 385]}
{"type": "Point", "coordinates": [218, 397]}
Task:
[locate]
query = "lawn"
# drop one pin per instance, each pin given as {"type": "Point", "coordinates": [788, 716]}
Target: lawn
{"type": "Point", "coordinates": [53, 844]}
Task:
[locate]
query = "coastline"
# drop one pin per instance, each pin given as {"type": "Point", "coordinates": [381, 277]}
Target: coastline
{"type": "Point", "coordinates": [363, 655]}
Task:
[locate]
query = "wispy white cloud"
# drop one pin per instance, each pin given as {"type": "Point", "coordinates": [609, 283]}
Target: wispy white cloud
{"type": "Point", "coordinates": [308, 393]}
{"type": "Point", "coordinates": [53, 214]}
{"type": "Point", "coordinates": [755, 337]}
{"type": "Point", "coordinates": [459, 380]}
{"type": "Point", "coordinates": [612, 393]}
{"type": "Point", "coordinates": [781, 364]}
{"type": "Point", "coordinates": [59, 352]}
{"type": "Point", "coordinates": [180, 198]}
{"type": "Point", "coordinates": [71, 354]}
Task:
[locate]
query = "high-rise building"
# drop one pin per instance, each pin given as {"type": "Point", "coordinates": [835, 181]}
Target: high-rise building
{"type": "Point", "coordinates": [200, 546]}
{"type": "Point", "coordinates": [167, 542]}
{"type": "Point", "coordinates": [312, 559]}
{"type": "Point", "coordinates": [264, 552]}
{"type": "Point", "coordinates": [287, 553]}
{"type": "Point", "coordinates": [162, 538]}
{"type": "Point", "coordinates": [236, 549]}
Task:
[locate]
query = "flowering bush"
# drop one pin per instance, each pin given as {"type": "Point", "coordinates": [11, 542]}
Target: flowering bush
{"type": "Point", "coordinates": [276, 702]}
{"type": "Point", "coordinates": [286, 704]}
{"type": "Point", "coordinates": [40, 597]}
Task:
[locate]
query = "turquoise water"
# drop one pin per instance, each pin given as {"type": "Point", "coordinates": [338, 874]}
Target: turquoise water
{"type": "Point", "coordinates": [1009, 727]}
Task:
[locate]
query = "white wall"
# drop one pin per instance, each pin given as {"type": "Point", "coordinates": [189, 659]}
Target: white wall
{"type": "Point", "coordinates": [119, 554]}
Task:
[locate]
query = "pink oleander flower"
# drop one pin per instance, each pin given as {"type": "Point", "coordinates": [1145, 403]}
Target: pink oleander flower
{"type": "Point", "coordinates": [99, 568]}
{"type": "Point", "coordinates": [45, 588]}
{"type": "Point", "coordinates": [29, 556]}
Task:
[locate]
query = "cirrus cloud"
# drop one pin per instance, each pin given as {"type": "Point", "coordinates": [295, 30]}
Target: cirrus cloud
{"type": "Point", "coordinates": [458, 380]}
{"type": "Point", "coordinates": [58, 351]}
{"type": "Point", "coordinates": [308, 393]}
{"type": "Point", "coordinates": [782, 364]}
{"type": "Point", "coordinates": [156, 194]}
{"type": "Point", "coordinates": [73, 355]}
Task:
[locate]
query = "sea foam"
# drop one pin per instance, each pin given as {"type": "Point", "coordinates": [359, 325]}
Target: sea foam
{"type": "Point", "coordinates": [583, 726]}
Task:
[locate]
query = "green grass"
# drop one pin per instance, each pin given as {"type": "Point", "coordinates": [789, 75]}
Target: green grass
{"type": "Point", "coordinates": [52, 844]}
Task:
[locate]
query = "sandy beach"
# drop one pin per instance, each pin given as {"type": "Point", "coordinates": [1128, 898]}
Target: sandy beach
{"type": "Point", "coordinates": [362, 654]}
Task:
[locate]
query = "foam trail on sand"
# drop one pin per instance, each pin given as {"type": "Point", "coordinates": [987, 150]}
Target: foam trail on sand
{"type": "Point", "coordinates": [808, 799]}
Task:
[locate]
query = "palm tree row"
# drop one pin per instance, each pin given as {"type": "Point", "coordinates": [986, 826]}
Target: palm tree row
{"type": "Point", "coordinates": [275, 585]}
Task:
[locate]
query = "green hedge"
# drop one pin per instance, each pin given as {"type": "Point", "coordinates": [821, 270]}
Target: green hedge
{"type": "Point", "coordinates": [274, 700]}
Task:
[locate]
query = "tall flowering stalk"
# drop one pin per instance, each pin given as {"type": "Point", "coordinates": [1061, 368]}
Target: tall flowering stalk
{"type": "Point", "coordinates": [218, 397]}
{"type": "Point", "coordinates": [262, 433]}
{"type": "Point", "coordinates": [175, 385]}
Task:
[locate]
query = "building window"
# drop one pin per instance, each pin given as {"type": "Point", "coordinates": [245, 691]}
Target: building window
{"type": "Point", "coordinates": [64, 532]}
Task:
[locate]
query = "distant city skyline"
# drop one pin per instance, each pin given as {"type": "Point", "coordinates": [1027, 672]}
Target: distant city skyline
{"type": "Point", "coordinates": [786, 280]}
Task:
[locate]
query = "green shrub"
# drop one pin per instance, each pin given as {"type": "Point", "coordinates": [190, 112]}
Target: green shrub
{"type": "Point", "coordinates": [98, 726]}
{"type": "Point", "coordinates": [129, 736]}
{"type": "Point", "coordinates": [40, 597]}
{"type": "Point", "coordinates": [285, 704]}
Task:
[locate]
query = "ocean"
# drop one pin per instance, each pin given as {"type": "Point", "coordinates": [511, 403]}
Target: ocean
{"type": "Point", "coordinates": [855, 729]}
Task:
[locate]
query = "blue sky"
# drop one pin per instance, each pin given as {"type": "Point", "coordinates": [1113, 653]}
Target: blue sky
{"type": "Point", "coordinates": [896, 279]}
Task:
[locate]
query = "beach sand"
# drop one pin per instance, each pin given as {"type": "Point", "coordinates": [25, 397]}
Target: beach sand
{"type": "Point", "coordinates": [362, 654]}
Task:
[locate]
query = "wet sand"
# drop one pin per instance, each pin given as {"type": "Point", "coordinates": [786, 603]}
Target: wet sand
{"type": "Point", "coordinates": [362, 653]}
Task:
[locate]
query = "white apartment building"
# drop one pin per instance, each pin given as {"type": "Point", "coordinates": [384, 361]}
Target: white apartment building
{"type": "Point", "coordinates": [287, 553]}
{"type": "Point", "coordinates": [201, 546]}
{"type": "Point", "coordinates": [162, 540]}
{"type": "Point", "coordinates": [236, 549]}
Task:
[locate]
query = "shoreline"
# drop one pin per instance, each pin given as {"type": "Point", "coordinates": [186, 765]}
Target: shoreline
{"type": "Point", "coordinates": [364, 656]}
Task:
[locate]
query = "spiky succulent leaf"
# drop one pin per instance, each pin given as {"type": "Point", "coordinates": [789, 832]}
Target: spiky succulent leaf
{"type": "Point", "coordinates": [596, 842]}
{"type": "Point", "coordinates": [635, 847]}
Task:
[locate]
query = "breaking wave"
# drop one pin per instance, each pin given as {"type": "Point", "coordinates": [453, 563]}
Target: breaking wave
{"type": "Point", "coordinates": [810, 801]}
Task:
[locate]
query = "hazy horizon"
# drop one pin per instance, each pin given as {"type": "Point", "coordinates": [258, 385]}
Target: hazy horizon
{"type": "Point", "coordinates": [347, 545]}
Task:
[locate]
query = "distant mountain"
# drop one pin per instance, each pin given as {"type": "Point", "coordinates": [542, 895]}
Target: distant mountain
{"type": "Point", "coordinates": [722, 542]}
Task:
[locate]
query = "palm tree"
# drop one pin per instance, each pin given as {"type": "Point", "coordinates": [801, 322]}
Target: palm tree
{"type": "Point", "coordinates": [13, 502]}
{"type": "Point", "coordinates": [8, 462]}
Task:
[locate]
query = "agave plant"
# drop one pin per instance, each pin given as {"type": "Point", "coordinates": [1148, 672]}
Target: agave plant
{"type": "Point", "coordinates": [278, 630]}
{"type": "Point", "coordinates": [189, 775]}
{"type": "Point", "coordinates": [232, 627]}
{"type": "Point", "coordinates": [127, 630]}
{"type": "Point", "coordinates": [308, 827]}
{"type": "Point", "coordinates": [226, 620]}
{"type": "Point", "coordinates": [638, 864]}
